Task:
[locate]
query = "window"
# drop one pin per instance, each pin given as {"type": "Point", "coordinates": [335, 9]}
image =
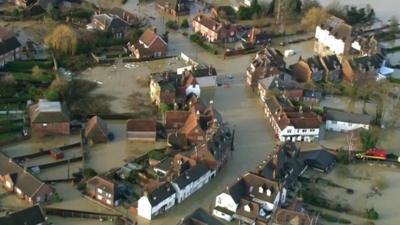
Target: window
{"type": "Point", "coordinates": [334, 122]}
{"type": "Point", "coordinates": [219, 202]}
{"type": "Point", "coordinates": [312, 130]}
{"type": "Point", "coordinates": [304, 131]}
{"type": "Point", "coordinates": [289, 131]}
{"type": "Point", "coordinates": [99, 190]}
{"type": "Point", "coordinates": [44, 124]}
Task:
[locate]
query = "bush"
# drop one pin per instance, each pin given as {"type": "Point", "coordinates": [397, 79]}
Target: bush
{"type": "Point", "coordinates": [81, 13]}
{"type": "Point", "coordinates": [27, 66]}
{"type": "Point", "coordinates": [197, 38]}
{"type": "Point", "coordinates": [81, 186]}
{"type": "Point", "coordinates": [172, 24]}
{"type": "Point", "coordinates": [52, 95]}
{"type": "Point", "coordinates": [185, 23]}
{"type": "Point", "coordinates": [371, 214]}
{"type": "Point", "coordinates": [89, 173]}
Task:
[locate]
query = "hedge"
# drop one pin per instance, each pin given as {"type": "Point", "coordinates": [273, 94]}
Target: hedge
{"type": "Point", "coordinates": [24, 66]}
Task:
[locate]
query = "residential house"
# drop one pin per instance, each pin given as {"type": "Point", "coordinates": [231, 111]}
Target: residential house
{"type": "Point", "coordinates": [29, 216]}
{"type": "Point", "coordinates": [174, 120]}
{"type": "Point", "coordinates": [307, 70]}
{"type": "Point", "coordinates": [128, 17]}
{"type": "Point", "coordinates": [361, 67]}
{"type": "Point", "coordinates": [173, 7]}
{"type": "Point", "coordinates": [212, 29]}
{"type": "Point", "coordinates": [199, 217]}
{"type": "Point", "coordinates": [163, 88]}
{"type": "Point", "coordinates": [289, 123]}
{"type": "Point", "coordinates": [192, 129]}
{"type": "Point", "coordinates": [283, 166]}
{"type": "Point", "coordinates": [96, 130]}
{"type": "Point", "coordinates": [320, 160]}
{"type": "Point", "coordinates": [109, 23]}
{"type": "Point", "coordinates": [334, 36]}
{"type": "Point", "coordinates": [191, 180]}
{"type": "Point", "coordinates": [341, 121]}
{"type": "Point", "coordinates": [141, 130]}
{"type": "Point", "coordinates": [267, 62]}
{"type": "Point", "coordinates": [150, 45]}
{"type": "Point", "coordinates": [157, 202]}
{"type": "Point", "coordinates": [10, 47]}
{"type": "Point", "coordinates": [16, 179]}
{"type": "Point", "coordinates": [332, 67]}
{"type": "Point", "coordinates": [256, 36]}
{"type": "Point", "coordinates": [251, 188]}
{"type": "Point", "coordinates": [49, 117]}
{"type": "Point", "coordinates": [103, 190]}
{"type": "Point", "coordinates": [293, 217]}
{"type": "Point", "coordinates": [276, 85]}
{"type": "Point", "coordinates": [365, 45]}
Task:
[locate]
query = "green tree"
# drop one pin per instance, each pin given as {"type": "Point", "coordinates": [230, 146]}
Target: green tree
{"type": "Point", "coordinates": [371, 214]}
{"type": "Point", "coordinates": [185, 23]}
{"type": "Point", "coordinates": [308, 4]}
{"type": "Point", "coordinates": [62, 41]}
{"type": "Point", "coordinates": [7, 86]}
{"type": "Point", "coordinates": [291, 8]}
{"type": "Point", "coordinates": [172, 24]}
{"type": "Point", "coordinates": [369, 138]}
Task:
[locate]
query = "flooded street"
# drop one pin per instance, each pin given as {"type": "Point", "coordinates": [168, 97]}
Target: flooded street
{"type": "Point", "coordinates": [253, 142]}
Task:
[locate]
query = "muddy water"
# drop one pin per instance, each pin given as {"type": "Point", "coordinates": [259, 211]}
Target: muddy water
{"type": "Point", "coordinates": [384, 9]}
{"type": "Point", "coordinates": [253, 142]}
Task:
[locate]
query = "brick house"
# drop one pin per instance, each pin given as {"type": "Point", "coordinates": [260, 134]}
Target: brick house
{"type": "Point", "coordinates": [309, 69]}
{"type": "Point", "coordinates": [103, 190]}
{"type": "Point", "coordinates": [213, 30]}
{"type": "Point", "coordinates": [267, 62]}
{"type": "Point", "coordinates": [109, 23]}
{"type": "Point", "coordinates": [150, 45]}
{"type": "Point", "coordinates": [141, 130]}
{"type": "Point", "coordinates": [173, 7]}
{"type": "Point", "coordinates": [10, 47]}
{"type": "Point", "coordinates": [96, 130]}
{"type": "Point", "coordinates": [16, 179]}
{"type": "Point", "coordinates": [49, 118]}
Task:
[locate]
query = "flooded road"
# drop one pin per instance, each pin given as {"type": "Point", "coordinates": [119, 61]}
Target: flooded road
{"type": "Point", "coordinates": [253, 142]}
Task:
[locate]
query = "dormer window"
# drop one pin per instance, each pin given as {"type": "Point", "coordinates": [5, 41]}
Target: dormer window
{"type": "Point", "coordinates": [260, 189]}
{"type": "Point", "coordinates": [247, 208]}
{"type": "Point", "coordinates": [269, 192]}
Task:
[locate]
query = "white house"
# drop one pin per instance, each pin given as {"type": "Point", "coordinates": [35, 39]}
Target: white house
{"type": "Point", "coordinates": [192, 180]}
{"type": "Point", "coordinates": [340, 121]}
{"type": "Point", "coordinates": [157, 202]}
{"type": "Point", "coordinates": [289, 124]}
{"type": "Point", "coordinates": [334, 36]}
{"type": "Point", "coordinates": [255, 188]}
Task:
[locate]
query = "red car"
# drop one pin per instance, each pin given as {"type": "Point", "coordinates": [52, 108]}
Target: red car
{"type": "Point", "coordinates": [376, 153]}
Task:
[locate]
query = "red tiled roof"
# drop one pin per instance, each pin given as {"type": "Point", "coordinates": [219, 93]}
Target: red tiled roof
{"type": "Point", "coordinates": [141, 125]}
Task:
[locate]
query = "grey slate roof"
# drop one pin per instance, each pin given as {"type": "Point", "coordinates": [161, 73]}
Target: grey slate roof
{"type": "Point", "coordinates": [25, 181]}
{"type": "Point", "coordinates": [312, 94]}
{"type": "Point", "coordinates": [200, 217]}
{"type": "Point", "coordinates": [319, 159]}
{"type": "Point", "coordinates": [9, 45]}
{"type": "Point", "coordinates": [163, 192]}
{"type": "Point", "coordinates": [191, 175]}
{"type": "Point", "coordinates": [29, 216]}
{"type": "Point", "coordinates": [338, 115]}
{"type": "Point", "coordinates": [48, 112]}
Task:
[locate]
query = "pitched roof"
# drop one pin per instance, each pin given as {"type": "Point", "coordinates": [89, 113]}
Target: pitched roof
{"type": "Point", "coordinates": [271, 82]}
{"type": "Point", "coordinates": [191, 123]}
{"type": "Point", "coordinates": [149, 36]}
{"type": "Point", "coordinates": [321, 159]}
{"type": "Point", "coordinates": [25, 181]}
{"type": "Point", "coordinates": [200, 217]}
{"type": "Point", "coordinates": [332, 62]}
{"type": "Point", "coordinates": [103, 183]}
{"type": "Point", "coordinates": [8, 44]}
{"type": "Point", "coordinates": [95, 125]}
{"type": "Point", "coordinates": [48, 112]}
{"type": "Point", "coordinates": [175, 118]}
{"type": "Point", "coordinates": [208, 22]}
{"type": "Point", "coordinates": [338, 28]}
{"type": "Point", "coordinates": [315, 63]}
{"type": "Point", "coordinates": [29, 216]}
{"type": "Point", "coordinates": [144, 125]}
{"type": "Point", "coordinates": [291, 217]}
{"type": "Point", "coordinates": [191, 175]}
{"type": "Point", "coordinates": [339, 115]}
{"type": "Point", "coordinates": [161, 193]}
{"type": "Point", "coordinates": [248, 209]}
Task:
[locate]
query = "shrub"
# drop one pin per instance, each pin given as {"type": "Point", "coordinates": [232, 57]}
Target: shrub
{"type": "Point", "coordinates": [81, 186]}
{"type": "Point", "coordinates": [172, 24]}
{"type": "Point", "coordinates": [185, 23]}
{"type": "Point", "coordinates": [89, 173]}
{"type": "Point", "coordinates": [371, 214]}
